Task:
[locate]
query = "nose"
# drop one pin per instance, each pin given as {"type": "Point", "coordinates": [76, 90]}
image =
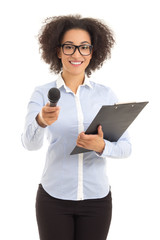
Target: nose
{"type": "Point", "coordinates": [76, 53]}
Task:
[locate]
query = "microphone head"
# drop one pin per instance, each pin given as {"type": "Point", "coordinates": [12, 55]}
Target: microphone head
{"type": "Point", "coordinates": [54, 95]}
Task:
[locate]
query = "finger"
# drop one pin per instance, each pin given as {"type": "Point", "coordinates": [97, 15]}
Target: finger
{"type": "Point", "coordinates": [84, 144]}
{"type": "Point", "coordinates": [86, 137]}
{"type": "Point", "coordinates": [49, 104]}
{"type": "Point", "coordinates": [49, 109]}
{"type": "Point", "coordinates": [80, 144]}
{"type": "Point", "coordinates": [53, 113]}
{"type": "Point", "coordinates": [82, 135]}
{"type": "Point", "coordinates": [100, 132]}
{"type": "Point", "coordinates": [80, 139]}
{"type": "Point", "coordinates": [49, 116]}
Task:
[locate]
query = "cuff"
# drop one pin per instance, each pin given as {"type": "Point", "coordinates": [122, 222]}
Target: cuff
{"type": "Point", "coordinates": [107, 149]}
{"type": "Point", "coordinates": [36, 127]}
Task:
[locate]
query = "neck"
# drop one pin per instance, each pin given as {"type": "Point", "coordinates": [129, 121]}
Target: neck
{"type": "Point", "coordinates": [73, 81]}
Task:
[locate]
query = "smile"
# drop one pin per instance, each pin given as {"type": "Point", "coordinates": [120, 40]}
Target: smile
{"type": "Point", "coordinates": [76, 63]}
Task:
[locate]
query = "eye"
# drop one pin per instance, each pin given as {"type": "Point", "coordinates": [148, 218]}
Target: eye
{"type": "Point", "coordinates": [85, 47]}
{"type": "Point", "coordinates": [68, 47]}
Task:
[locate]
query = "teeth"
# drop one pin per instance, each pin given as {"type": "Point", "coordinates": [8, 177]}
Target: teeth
{"type": "Point", "coordinates": [76, 63]}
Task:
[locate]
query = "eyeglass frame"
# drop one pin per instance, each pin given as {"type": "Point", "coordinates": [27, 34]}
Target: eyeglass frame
{"type": "Point", "coordinates": [76, 46]}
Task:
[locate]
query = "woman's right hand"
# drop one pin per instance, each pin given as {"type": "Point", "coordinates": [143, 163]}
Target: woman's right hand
{"type": "Point", "coordinates": [47, 115]}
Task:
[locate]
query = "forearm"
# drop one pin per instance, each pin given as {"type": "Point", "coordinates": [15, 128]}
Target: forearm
{"type": "Point", "coordinates": [33, 135]}
{"type": "Point", "coordinates": [119, 149]}
{"type": "Point", "coordinates": [40, 122]}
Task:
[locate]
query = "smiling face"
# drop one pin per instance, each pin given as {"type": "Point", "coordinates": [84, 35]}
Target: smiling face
{"type": "Point", "coordinates": [75, 64]}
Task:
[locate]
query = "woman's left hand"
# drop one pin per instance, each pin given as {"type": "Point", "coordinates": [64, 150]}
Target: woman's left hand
{"type": "Point", "coordinates": [93, 142]}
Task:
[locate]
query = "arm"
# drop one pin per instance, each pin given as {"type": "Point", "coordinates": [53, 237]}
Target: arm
{"type": "Point", "coordinates": [37, 119]}
{"type": "Point", "coordinates": [33, 134]}
{"type": "Point", "coordinates": [120, 149]}
{"type": "Point", "coordinates": [104, 148]}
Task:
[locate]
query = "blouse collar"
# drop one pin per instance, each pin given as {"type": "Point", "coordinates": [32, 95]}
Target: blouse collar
{"type": "Point", "coordinates": [60, 82]}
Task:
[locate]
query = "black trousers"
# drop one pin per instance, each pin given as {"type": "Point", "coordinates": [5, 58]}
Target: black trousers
{"type": "Point", "coordinates": [72, 220]}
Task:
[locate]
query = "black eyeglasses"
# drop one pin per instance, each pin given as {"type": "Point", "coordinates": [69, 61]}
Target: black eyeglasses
{"type": "Point", "coordinates": [84, 50]}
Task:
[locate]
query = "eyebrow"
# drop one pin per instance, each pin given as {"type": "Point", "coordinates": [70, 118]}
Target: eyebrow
{"type": "Point", "coordinates": [70, 42]}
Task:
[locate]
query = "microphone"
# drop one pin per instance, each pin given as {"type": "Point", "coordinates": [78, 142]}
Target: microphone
{"type": "Point", "coordinates": [53, 96]}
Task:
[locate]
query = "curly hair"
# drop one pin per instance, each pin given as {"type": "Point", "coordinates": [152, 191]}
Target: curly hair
{"type": "Point", "coordinates": [53, 30]}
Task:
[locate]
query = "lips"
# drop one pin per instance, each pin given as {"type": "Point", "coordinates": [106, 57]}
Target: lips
{"type": "Point", "coordinates": [76, 63]}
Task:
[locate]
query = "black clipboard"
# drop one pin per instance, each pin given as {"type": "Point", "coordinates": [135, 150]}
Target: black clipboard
{"type": "Point", "coordinates": [114, 119]}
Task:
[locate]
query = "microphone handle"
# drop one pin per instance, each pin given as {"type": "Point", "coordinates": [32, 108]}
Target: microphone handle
{"type": "Point", "coordinates": [53, 104]}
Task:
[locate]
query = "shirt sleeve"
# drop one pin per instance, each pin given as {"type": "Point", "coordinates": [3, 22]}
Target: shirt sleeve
{"type": "Point", "coordinates": [33, 134]}
{"type": "Point", "coordinates": [120, 149]}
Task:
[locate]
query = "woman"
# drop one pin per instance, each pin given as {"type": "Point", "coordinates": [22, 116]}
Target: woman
{"type": "Point", "coordinates": [74, 198]}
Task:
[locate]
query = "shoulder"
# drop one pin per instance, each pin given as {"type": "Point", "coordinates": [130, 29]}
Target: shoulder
{"type": "Point", "coordinates": [103, 90]}
{"type": "Point", "coordinates": [39, 94]}
{"type": "Point", "coordinates": [100, 86]}
{"type": "Point", "coordinates": [45, 87]}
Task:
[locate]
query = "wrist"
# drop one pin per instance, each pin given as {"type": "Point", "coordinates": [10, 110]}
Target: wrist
{"type": "Point", "coordinates": [101, 148]}
{"type": "Point", "coordinates": [40, 122]}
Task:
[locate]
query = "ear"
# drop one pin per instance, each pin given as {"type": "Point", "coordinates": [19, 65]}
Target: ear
{"type": "Point", "coordinates": [59, 54]}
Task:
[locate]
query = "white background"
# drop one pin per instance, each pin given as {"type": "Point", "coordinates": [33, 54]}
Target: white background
{"type": "Point", "coordinates": [132, 73]}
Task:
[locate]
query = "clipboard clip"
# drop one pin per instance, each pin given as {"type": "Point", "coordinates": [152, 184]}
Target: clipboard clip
{"type": "Point", "coordinates": [131, 103]}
